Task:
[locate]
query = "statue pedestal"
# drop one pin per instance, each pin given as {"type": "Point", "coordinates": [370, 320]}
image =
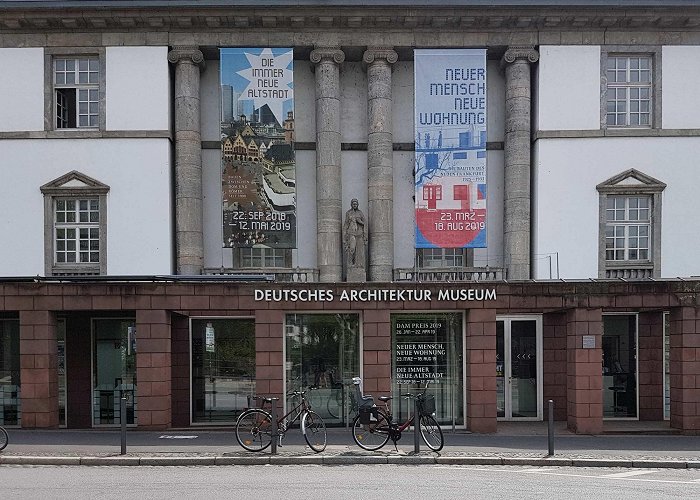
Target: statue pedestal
{"type": "Point", "coordinates": [356, 275]}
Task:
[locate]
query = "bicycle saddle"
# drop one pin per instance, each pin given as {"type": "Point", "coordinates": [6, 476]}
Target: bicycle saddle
{"type": "Point", "coordinates": [385, 398]}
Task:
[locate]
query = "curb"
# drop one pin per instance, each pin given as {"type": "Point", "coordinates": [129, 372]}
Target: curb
{"type": "Point", "coordinates": [344, 460]}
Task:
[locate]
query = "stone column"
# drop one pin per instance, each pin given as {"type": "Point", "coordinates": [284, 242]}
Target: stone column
{"type": "Point", "coordinates": [328, 186]}
{"type": "Point", "coordinates": [516, 224]}
{"type": "Point", "coordinates": [188, 61]}
{"type": "Point", "coordinates": [380, 162]}
{"type": "Point", "coordinates": [584, 374]}
{"type": "Point", "coordinates": [38, 369]}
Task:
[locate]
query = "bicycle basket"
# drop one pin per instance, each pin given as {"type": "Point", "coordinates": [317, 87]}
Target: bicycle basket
{"type": "Point", "coordinates": [368, 414]}
{"type": "Point", "coordinates": [426, 405]}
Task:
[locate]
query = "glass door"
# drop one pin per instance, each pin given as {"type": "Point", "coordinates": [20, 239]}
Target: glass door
{"type": "Point", "coordinates": [519, 368]}
{"type": "Point", "coordinates": [620, 366]}
{"type": "Point", "coordinates": [114, 370]}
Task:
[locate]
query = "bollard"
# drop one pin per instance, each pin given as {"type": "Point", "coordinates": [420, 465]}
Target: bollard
{"type": "Point", "coordinates": [275, 434]}
{"type": "Point", "coordinates": [416, 427]}
{"type": "Point", "coordinates": [122, 419]}
{"type": "Point", "coordinates": [550, 427]}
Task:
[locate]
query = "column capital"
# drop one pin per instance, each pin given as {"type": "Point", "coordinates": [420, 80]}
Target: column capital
{"type": "Point", "coordinates": [375, 54]}
{"type": "Point", "coordinates": [320, 54]}
{"type": "Point", "coordinates": [186, 54]}
{"type": "Point", "coordinates": [516, 52]}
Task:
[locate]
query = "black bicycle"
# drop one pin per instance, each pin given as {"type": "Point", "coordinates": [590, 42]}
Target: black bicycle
{"type": "Point", "coordinates": [373, 427]}
{"type": "Point", "coordinates": [4, 438]}
{"type": "Point", "coordinates": [254, 426]}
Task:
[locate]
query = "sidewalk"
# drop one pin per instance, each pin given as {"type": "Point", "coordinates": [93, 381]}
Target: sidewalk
{"type": "Point", "coordinates": [624, 444]}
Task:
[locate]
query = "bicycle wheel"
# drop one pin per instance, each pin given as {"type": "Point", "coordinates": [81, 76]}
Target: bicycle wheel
{"type": "Point", "coordinates": [431, 432]}
{"type": "Point", "coordinates": [254, 429]}
{"type": "Point", "coordinates": [314, 430]}
{"type": "Point", "coordinates": [4, 438]}
{"type": "Point", "coordinates": [371, 436]}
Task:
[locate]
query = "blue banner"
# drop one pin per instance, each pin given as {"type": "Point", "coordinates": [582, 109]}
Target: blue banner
{"type": "Point", "coordinates": [450, 127]}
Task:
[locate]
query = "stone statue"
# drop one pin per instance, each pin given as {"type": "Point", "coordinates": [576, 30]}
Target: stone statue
{"type": "Point", "coordinates": [354, 241]}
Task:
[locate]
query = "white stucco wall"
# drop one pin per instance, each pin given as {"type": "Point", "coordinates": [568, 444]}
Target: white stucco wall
{"type": "Point", "coordinates": [566, 201]}
{"type": "Point", "coordinates": [680, 67]}
{"type": "Point", "coordinates": [137, 88]}
{"type": "Point", "coordinates": [139, 222]}
{"type": "Point", "coordinates": [568, 88]}
{"type": "Point", "coordinates": [22, 85]}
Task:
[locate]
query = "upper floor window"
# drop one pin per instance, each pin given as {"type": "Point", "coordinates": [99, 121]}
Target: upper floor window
{"type": "Point", "coordinates": [264, 257]}
{"type": "Point", "coordinates": [77, 231]}
{"type": "Point", "coordinates": [75, 228]}
{"type": "Point", "coordinates": [629, 91]}
{"type": "Point", "coordinates": [630, 226]}
{"type": "Point", "coordinates": [76, 85]}
{"type": "Point", "coordinates": [431, 258]}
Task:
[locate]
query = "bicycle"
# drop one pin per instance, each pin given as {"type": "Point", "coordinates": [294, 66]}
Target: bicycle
{"type": "Point", "coordinates": [4, 438]}
{"type": "Point", "coordinates": [254, 426]}
{"type": "Point", "coordinates": [373, 427]}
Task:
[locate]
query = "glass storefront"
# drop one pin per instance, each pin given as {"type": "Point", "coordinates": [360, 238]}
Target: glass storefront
{"type": "Point", "coordinates": [322, 355]}
{"type": "Point", "coordinates": [428, 348]}
{"type": "Point", "coordinates": [114, 370]}
{"type": "Point", "coordinates": [223, 368]}
{"type": "Point", "coordinates": [518, 368]}
{"type": "Point", "coordinates": [10, 412]}
{"type": "Point", "coordinates": [620, 366]}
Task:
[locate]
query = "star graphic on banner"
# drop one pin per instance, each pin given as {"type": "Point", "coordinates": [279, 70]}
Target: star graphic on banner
{"type": "Point", "coordinates": [281, 80]}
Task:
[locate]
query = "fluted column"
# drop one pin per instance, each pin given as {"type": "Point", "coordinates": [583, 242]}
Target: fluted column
{"type": "Point", "coordinates": [328, 185]}
{"type": "Point", "coordinates": [188, 61]}
{"type": "Point", "coordinates": [380, 162]}
{"type": "Point", "coordinates": [516, 224]}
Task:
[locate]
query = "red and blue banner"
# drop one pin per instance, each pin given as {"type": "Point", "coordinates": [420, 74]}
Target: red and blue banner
{"type": "Point", "coordinates": [450, 127]}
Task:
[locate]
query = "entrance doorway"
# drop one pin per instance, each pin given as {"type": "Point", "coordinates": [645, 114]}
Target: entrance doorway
{"type": "Point", "coordinates": [114, 370]}
{"type": "Point", "coordinates": [519, 368]}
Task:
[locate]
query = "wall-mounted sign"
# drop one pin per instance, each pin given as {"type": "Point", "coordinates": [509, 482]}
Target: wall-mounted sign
{"type": "Point", "coordinates": [589, 341]}
{"type": "Point", "coordinates": [450, 127]}
{"type": "Point", "coordinates": [257, 148]}
{"type": "Point", "coordinates": [374, 295]}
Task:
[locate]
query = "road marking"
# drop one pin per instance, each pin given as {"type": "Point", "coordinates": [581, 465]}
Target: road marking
{"type": "Point", "coordinates": [166, 436]}
{"type": "Point", "coordinates": [594, 476]}
{"type": "Point", "coordinates": [628, 474]}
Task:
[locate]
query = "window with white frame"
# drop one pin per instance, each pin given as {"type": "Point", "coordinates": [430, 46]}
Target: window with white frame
{"type": "Point", "coordinates": [630, 226]}
{"type": "Point", "coordinates": [264, 257]}
{"type": "Point", "coordinates": [75, 212]}
{"type": "Point", "coordinates": [76, 82]}
{"type": "Point", "coordinates": [442, 257]}
{"type": "Point", "coordinates": [629, 90]}
{"type": "Point", "coordinates": [77, 231]}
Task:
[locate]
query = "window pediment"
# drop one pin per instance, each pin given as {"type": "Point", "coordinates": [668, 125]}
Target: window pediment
{"type": "Point", "coordinates": [74, 183]}
{"type": "Point", "coordinates": [631, 181]}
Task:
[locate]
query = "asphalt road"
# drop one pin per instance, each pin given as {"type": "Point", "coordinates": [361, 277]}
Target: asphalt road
{"type": "Point", "coordinates": [311, 482]}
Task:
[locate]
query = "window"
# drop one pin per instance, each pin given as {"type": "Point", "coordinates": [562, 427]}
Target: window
{"type": "Point", "coordinates": [630, 226]}
{"type": "Point", "coordinates": [629, 91]}
{"type": "Point", "coordinates": [443, 257]}
{"type": "Point", "coordinates": [75, 211]}
{"type": "Point", "coordinates": [76, 83]}
{"type": "Point", "coordinates": [77, 230]}
{"type": "Point", "coordinates": [264, 257]}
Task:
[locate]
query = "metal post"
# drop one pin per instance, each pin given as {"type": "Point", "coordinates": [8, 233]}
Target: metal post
{"type": "Point", "coordinates": [416, 427]}
{"type": "Point", "coordinates": [550, 427]}
{"type": "Point", "coordinates": [122, 419]}
{"type": "Point", "coordinates": [273, 448]}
